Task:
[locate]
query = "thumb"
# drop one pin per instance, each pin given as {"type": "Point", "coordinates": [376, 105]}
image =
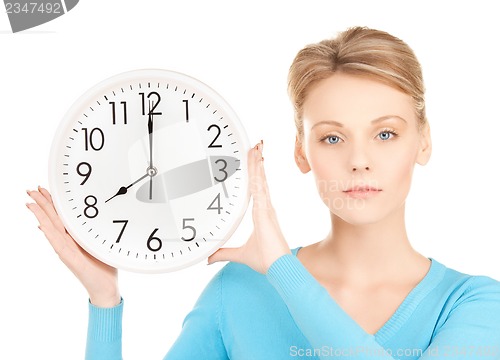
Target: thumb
{"type": "Point", "coordinates": [224, 254]}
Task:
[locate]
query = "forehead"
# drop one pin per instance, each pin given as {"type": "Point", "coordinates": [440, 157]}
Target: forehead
{"type": "Point", "coordinates": [354, 101]}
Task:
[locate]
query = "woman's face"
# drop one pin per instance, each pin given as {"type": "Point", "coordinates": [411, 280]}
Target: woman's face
{"type": "Point", "coordinates": [361, 141]}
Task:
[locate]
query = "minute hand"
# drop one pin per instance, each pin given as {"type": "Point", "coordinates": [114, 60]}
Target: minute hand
{"type": "Point", "coordinates": [150, 134]}
{"type": "Point", "coordinates": [123, 189]}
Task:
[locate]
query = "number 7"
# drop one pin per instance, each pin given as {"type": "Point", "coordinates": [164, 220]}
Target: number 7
{"type": "Point", "coordinates": [125, 222]}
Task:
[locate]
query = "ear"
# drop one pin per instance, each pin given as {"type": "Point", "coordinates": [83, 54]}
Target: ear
{"type": "Point", "coordinates": [425, 147]}
{"type": "Point", "coordinates": [300, 158]}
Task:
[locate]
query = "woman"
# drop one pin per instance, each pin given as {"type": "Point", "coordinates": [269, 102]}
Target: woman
{"type": "Point", "coordinates": [363, 291]}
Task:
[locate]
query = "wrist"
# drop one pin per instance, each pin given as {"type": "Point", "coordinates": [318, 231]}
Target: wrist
{"type": "Point", "coordinates": [274, 257]}
{"type": "Point", "coordinates": [103, 301]}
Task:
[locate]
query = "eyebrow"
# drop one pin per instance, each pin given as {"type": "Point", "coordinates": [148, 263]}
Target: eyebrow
{"type": "Point", "coordinates": [375, 121]}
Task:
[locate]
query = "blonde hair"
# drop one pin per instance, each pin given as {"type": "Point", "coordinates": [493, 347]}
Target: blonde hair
{"type": "Point", "coordinates": [357, 51]}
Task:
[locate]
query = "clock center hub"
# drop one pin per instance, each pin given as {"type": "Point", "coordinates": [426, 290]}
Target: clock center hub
{"type": "Point", "coordinates": [152, 171]}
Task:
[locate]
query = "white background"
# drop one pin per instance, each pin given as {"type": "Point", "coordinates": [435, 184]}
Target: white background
{"type": "Point", "coordinates": [242, 50]}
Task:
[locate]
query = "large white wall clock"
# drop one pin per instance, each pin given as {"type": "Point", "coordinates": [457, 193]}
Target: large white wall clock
{"type": "Point", "coordinates": [148, 171]}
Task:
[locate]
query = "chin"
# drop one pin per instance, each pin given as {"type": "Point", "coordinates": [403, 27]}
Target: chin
{"type": "Point", "coordinates": [358, 213]}
{"type": "Point", "coordinates": [368, 215]}
{"type": "Point", "coordinates": [358, 219]}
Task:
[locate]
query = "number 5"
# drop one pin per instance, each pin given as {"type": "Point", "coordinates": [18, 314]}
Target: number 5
{"type": "Point", "coordinates": [184, 226]}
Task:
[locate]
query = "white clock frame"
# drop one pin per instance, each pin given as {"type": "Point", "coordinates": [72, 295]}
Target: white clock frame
{"type": "Point", "coordinates": [101, 147]}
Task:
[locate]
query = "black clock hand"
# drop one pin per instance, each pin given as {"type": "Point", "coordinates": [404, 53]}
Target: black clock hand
{"type": "Point", "coordinates": [150, 133]}
{"type": "Point", "coordinates": [123, 189]}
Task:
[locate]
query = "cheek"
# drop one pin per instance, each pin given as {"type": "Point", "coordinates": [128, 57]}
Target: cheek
{"type": "Point", "coordinates": [327, 172]}
{"type": "Point", "coordinates": [398, 170]}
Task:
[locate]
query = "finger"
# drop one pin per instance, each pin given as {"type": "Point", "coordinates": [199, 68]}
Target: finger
{"type": "Point", "coordinates": [258, 182]}
{"type": "Point", "coordinates": [51, 233]}
{"type": "Point", "coordinates": [225, 254]}
{"type": "Point", "coordinates": [46, 194]}
{"type": "Point", "coordinates": [55, 218]}
{"type": "Point", "coordinates": [44, 200]}
{"type": "Point", "coordinates": [254, 168]}
{"type": "Point", "coordinates": [38, 211]}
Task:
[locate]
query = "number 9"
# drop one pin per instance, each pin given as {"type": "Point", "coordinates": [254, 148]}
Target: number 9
{"type": "Point", "coordinates": [85, 174]}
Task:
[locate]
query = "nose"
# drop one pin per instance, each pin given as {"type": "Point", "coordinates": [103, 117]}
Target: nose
{"type": "Point", "coordinates": [360, 168]}
{"type": "Point", "coordinates": [359, 160]}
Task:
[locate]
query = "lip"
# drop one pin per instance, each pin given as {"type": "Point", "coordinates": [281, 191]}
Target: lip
{"type": "Point", "coordinates": [361, 192]}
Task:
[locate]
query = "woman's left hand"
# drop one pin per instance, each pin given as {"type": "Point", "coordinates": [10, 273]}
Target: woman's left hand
{"type": "Point", "coordinates": [266, 243]}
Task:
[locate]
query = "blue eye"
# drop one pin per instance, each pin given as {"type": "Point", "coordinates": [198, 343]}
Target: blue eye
{"type": "Point", "coordinates": [385, 135]}
{"type": "Point", "coordinates": [332, 139]}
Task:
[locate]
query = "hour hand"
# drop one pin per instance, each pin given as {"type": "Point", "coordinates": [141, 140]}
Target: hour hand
{"type": "Point", "coordinates": [123, 190]}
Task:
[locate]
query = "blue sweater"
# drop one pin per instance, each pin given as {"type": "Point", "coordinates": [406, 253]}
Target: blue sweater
{"type": "Point", "coordinates": [287, 314]}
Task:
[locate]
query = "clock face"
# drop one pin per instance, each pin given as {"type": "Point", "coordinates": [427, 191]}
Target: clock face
{"type": "Point", "coordinates": [148, 171]}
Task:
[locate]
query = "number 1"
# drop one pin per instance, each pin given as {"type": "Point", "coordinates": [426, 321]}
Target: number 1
{"type": "Point", "coordinates": [187, 109]}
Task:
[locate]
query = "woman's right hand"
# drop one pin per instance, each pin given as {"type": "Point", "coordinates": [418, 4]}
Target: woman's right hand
{"type": "Point", "coordinates": [100, 280]}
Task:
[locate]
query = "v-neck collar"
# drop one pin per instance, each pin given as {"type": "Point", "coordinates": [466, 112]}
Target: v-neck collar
{"type": "Point", "coordinates": [411, 301]}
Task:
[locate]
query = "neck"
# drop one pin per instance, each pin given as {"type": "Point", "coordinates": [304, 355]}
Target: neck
{"type": "Point", "coordinates": [370, 253]}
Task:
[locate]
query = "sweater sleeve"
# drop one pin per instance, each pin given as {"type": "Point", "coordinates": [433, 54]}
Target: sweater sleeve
{"type": "Point", "coordinates": [201, 337]}
{"type": "Point", "coordinates": [104, 334]}
{"type": "Point", "coordinates": [472, 328]}
{"type": "Point", "coordinates": [475, 322]}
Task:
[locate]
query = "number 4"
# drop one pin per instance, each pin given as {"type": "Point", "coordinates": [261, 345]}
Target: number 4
{"type": "Point", "coordinates": [218, 207]}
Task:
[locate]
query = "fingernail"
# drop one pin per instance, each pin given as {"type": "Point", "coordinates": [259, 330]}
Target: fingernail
{"type": "Point", "coordinates": [28, 192]}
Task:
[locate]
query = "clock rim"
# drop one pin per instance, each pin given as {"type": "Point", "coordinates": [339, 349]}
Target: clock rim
{"type": "Point", "coordinates": [75, 110]}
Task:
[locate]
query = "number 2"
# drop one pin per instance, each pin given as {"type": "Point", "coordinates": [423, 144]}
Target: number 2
{"type": "Point", "coordinates": [212, 145]}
